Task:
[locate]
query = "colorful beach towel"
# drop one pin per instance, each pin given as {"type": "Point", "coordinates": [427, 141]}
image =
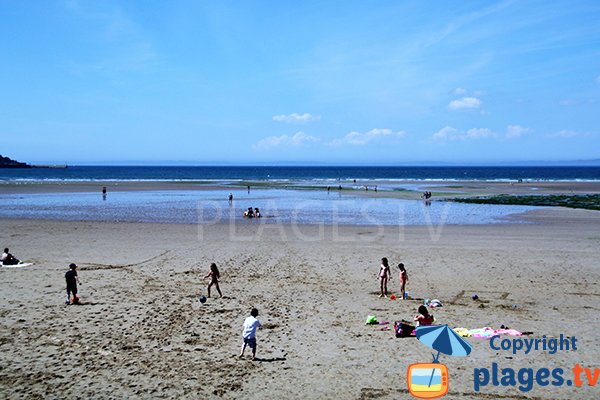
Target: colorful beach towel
{"type": "Point", "coordinates": [488, 333]}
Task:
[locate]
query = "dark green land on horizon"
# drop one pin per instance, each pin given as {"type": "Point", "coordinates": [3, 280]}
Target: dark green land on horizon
{"type": "Point", "coordinates": [588, 201]}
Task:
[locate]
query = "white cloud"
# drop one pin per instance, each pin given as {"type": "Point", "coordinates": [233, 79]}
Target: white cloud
{"type": "Point", "coordinates": [296, 118]}
{"type": "Point", "coordinates": [449, 133]}
{"type": "Point", "coordinates": [298, 139]}
{"type": "Point", "coordinates": [515, 131]}
{"type": "Point", "coordinates": [478, 133]}
{"type": "Point", "coordinates": [465, 103]}
{"type": "Point", "coordinates": [359, 139]}
{"type": "Point", "coordinates": [566, 134]}
{"type": "Point", "coordinates": [459, 91]}
{"type": "Point", "coordinates": [446, 133]}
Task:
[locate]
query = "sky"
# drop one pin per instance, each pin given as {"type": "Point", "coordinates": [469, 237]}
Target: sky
{"type": "Point", "coordinates": [335, 82]}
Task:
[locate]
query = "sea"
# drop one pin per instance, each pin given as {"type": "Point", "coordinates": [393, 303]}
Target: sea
{"type": "Point", "coordinates": [284, 194]}
{"type": "Point", "coordinates": [302, 173]}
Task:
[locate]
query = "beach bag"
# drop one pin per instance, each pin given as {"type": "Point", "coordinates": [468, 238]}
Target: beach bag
{"type": "Point", "coordinates": [371, 320]}
{"type": "Point", "coordinates": [403, 329]}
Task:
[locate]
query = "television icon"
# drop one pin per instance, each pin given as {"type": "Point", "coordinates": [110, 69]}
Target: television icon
{"type": "Point", "coordinates": [427, 380]}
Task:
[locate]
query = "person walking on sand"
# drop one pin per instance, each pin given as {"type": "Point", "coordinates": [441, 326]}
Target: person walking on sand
{"type": "Point", "coordinates": [230, 198]}
{"type": "Point", "coordinates": [384, 276]}
{"type": "Point", "coordinates": [214, 278]}
{"type": "Point", "coordinates": [251, 324]}
{"type": "Point", "coordinates": [403, 280]}
{"type": "Point", "coordinates": [72, 281]}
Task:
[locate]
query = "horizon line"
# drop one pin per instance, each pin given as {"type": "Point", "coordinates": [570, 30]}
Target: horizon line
{"type": "Point", "coordinates": [590, 162]}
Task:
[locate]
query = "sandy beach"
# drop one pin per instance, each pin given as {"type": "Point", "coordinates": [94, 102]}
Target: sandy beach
{"type": "Point", "coordinates": [142, 333]}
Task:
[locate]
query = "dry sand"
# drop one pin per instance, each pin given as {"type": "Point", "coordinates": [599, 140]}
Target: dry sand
{"type": "Point", "coordinates": [142, 333]}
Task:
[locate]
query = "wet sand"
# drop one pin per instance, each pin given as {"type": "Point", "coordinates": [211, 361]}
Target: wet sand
{"type": "Point", "coordinates": [142, 333]}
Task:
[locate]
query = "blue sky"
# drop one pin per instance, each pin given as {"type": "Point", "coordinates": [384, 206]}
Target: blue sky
{"type": "Point", "coordinates": [280, 81]}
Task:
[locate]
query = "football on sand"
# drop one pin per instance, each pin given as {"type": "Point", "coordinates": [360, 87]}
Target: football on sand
{"type": "Point", "coordinates": [202, 299]}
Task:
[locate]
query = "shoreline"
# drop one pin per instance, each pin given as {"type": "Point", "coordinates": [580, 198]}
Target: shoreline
{"type": "Point", "coordinates": [289, 205]}
{"type": "Point", "coordinates": [404, 188]}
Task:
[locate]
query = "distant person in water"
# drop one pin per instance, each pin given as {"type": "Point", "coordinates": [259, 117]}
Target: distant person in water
{"type": "Point", "coordinates": [8, 259]}
{"type": "Point", "coordinates": [72, 281]}
{"type": "Point", "coordinates": [214, 279]}
{"type": "Point", "coordinates": [248, 188]}
{"type": "Point", "coordinates": [384, 276]}
{"type": "Point", "coordinates": [230, 198]}
{"type": "Point", "coordinates": [103, 192]}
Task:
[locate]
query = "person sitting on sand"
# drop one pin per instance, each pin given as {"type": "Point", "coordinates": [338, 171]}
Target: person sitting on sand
{"type": "Point", "coordinates": [424, 318]}
{"type": "Point", "coordinates": [251, 324]}
{"type": "Point", "coordinates": [249, 213]}
{"type": "Point", "coordinates": [256, 213]}
{"type": "Point", "coordinates": [214, 279]}
{"type": "Point", "coordinates": [403, 280]}
{"type": "Point", "coordinates": [384, 276]}
{"type": "Point", "coordinates": [8, 259]}
{"type": "Point", "coordinates": [72, 281]}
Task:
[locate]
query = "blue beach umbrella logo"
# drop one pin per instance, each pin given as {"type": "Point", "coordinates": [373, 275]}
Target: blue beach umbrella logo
{"type": "Point", "coordinates": [443, 339]}
{"type": "Point", "coordinates": [430, 380]}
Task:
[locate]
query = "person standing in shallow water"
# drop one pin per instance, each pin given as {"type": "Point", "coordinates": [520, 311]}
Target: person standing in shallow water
{"type": "Point", "coordinates": [384, 276]}
{"type": "Point", "coordinates": [214, 279]}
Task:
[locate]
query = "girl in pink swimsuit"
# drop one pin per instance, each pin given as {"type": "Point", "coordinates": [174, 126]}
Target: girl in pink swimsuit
{"type": "Point", "coordinates": [424, 318]}
{"type": "Point", "coordinates": [403, 280]}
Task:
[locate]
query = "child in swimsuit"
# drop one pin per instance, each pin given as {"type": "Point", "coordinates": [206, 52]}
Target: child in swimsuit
{"type": "Point", "coordinates": [214, 278]}
{"type": "Point", "coordinates": [424, 318]}
{"type": "Point", "coordinates": [384, 275]}
{"type": "Point", "coordinates": [403, 280]}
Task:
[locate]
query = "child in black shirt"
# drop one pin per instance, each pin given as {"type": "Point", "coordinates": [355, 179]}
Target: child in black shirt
{"type": "Point", "coordinates": [72, 281]}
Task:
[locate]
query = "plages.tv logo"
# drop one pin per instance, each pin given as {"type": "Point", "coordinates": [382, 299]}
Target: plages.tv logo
{"type": "Point", "coordinates": [431, 380]}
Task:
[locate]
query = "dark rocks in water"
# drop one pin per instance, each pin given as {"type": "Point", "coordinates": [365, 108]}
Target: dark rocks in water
{"type": "Point", "coordinates": [6, 162]}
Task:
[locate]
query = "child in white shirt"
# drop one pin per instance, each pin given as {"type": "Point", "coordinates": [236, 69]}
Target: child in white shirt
{"type": "Point", "coordinates": [251, 324]}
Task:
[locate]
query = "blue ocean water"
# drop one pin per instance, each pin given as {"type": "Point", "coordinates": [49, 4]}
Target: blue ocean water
{"type": "Point", "coordinates": [276, 205]}
{"type": "Point", "coordinates": [297, 173]}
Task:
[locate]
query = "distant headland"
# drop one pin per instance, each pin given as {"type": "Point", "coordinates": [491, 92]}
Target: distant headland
{"type": "Point", "coordinates": [6, 162]}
